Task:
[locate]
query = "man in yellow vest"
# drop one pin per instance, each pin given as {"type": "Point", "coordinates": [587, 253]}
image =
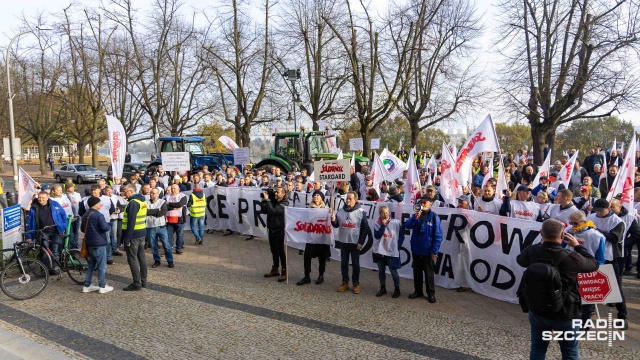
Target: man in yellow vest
{"type": "Point", "coordinates": [197, 205]}
{"type": "Point", "coordinates": [134, 231]}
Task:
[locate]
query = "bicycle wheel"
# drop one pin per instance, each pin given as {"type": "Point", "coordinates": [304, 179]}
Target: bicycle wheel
{"type": "Point", "coordinates": [36, 253]}
{"type": "Point", "coordinates": [27, 284]}
{"type": "Point", "coordinates": [75, 266]}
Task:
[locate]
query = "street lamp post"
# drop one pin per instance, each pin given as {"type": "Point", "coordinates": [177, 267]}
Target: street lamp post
{"type": "Point", "coordinates": [12, 127]}
{"type": "Point", "coordinates": [293, 75]}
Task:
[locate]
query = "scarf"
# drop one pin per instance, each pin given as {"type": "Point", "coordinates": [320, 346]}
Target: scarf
{"type": "Point", "coordinates": [587, 224]}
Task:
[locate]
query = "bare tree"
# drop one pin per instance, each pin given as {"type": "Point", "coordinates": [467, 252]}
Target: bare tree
{"type": "Point", "coordinates": [243, 64]}
{"type": "Point", "coordinates": [326, 74]}
{"type": "Point", "coordinates": [375, 72]}
{"type": "Point", "coordinates": [567, 60]}
{"type": "Point", "coordinates": [441, 82]}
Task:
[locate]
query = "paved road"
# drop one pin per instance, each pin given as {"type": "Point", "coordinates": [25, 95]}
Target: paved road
{"type": "Point", "coordinates": [215, 304]}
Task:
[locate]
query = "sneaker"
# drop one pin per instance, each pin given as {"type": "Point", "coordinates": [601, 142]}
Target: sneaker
{"type": "Point", "coordinates": [90, 288]}
{"type": "Point", "coordinates": [343, 287]}
{"type": "Point", "coordinates": [105, 289]}
{"type": "Point", "coordinates": [356, 289]}
{"type": "Point", "coordinates": [155, 264]}
{"type": "Point", "coordinates": [171, 265]}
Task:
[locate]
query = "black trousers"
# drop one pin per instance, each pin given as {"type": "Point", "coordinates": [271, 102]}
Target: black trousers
{"type": "Point", "coordinates": [423, 267]}
{"type": "Point", "coordinates": [276, 243]}
{"type": "Point", "coordinates": [307, 264]}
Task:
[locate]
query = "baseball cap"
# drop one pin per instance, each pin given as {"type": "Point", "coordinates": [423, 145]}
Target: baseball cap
{"type": "Point", "coordinates": [45, 187]}
{"type": "Point", "coordinates": [523, 188]}
{"type": "Point", "coordinates": [464, 198]}
{"type": "Point", "coordinates": [601, 204]}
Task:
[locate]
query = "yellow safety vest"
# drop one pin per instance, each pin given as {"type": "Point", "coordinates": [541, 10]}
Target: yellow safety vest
{"type": "Point", "coordinates": [198, 206]}
{"type": "Point", "coordinates": [141, 216]}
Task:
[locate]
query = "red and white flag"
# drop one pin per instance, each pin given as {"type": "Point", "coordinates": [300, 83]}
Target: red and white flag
{"type": "Point", "coordinates": [228, 143]}
{"type": "Point", "coordinates": [542, 170]}
{"type": "Point", "coordinates": [623, 183]}
{"type": "Point", "coordinates": [502, 180]}
{"type": "Point", "coordinates": [378, 173]}
{"type": "Point", "coordinates": [489, 174]}
{"type": "Point", "coordinates": [449, 186]}
{"type": "Point", "coordinates": [412, 185]}
{"type": "Point", "coordinates": [482, 139]}
{"type": "Point", "coordinates": [567, 170]}
{"type": "Point", "coordinates": [26, 189]}
{"type": "Point", "coordinates": [117, 145]}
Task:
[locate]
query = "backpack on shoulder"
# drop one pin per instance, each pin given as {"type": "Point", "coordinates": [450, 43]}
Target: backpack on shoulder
{"type": "Point", "coordinates": [541, 289]}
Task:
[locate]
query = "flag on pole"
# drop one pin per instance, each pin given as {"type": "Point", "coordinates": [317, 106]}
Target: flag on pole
{"type": "Point", "coordinates": [412, 185]}
{"type": "Point", "coordinates": [400, 145]}
{"type": "Point", "coordinates": [543, 170]}
{"type": "Point", "coordinates": [353, 160]}
{"type": "Point", "coordinates": [378, 173]}
{"type": "Point", "coordinates": [489, 174]}
{"type": "Point", "coordinates": [603, 170]}
{"type": "Point", "coordinates": [482, 139]}
{"type": "Point", "coordinates": [452, 148]}
{"type": "Point", "coordinates": [26, 189]}
{"type": "Point", "coordinates": [614, 147]}
{"type": "Point", "coordinates": [502, 180]}
{"type": "Point", "coordinates": [340, 155]}
{"type": "Point", "coordinates": [228, 143]}
{"type": "Point", "coordinates": [393, 164]}
{"type": "Point", "coordinates": [623, 182]}
{"type": "Point", "coordinates": [567, 170]}
{"type": "Point", "coordinates": [117, 145]}
{"type": "Point", "coordinates": [449, 188]}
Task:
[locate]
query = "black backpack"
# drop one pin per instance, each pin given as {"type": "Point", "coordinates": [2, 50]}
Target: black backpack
{"type": "Point", "coordinates": [541, 286]}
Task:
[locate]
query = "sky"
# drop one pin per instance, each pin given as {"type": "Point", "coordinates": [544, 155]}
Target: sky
{"type": "Point", "coordinates": [12, 11]}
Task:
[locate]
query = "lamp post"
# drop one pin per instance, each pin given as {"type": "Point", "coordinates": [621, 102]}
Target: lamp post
{"type": "Point", "coordinates": [293, 75]}
{"type": "Point", "coordinates": [12, 127]}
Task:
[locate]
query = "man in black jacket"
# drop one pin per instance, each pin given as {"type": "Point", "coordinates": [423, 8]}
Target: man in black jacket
{"type": "Point", "coordinates": [274, 208]}
{"type": "Point", "coordinates": [573, 263]}
{"type": "Point", "coordinates": [134, 232]}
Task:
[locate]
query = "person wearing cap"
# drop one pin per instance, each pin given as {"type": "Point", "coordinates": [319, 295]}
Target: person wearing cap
{"type": "Point", "coordinates": [545, 185]}
{"type": "Point", "coordinates": [426, 238]}
{"type": "Point", "coordinates": [592, 240]}
{"type": "Point", "coordinates": [96, 230]}
{"type": "Point", "coordinates": [464, 202]}
{"type": "Point", "coordinates": [613, 229]}
{"type": "Point", "coordinates": [523, 207]}
{"type": "Point", "coordinates": [106, 210]}
{"type": "Point", "coordinates": [488, 203]}
{"type": "Point", "coordinates": [353, 229]}
{"type": "Point", "coordinates": [44, 213]}
{"type": "Point", "coordinates": [366, 185]}
{"type": "Point", "coordinates": [388, 237]}
{"type": "Point", "coordinates": [134, 232]}
{"type": "Point", "coordinates": [321, 251]}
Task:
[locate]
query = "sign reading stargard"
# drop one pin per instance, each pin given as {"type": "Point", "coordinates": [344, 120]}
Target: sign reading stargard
{"type": "Point", "coordinates": [176, 161]}
{"type": "Point", "coordinates": [11, 223]}
{"type": "Point", "coordinates": [332, 170]}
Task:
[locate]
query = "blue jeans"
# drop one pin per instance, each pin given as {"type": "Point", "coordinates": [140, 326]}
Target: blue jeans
{"type": "Point", "coordinates": [107, 236]}
{"type": "Point", "coordinates": [113, 236]}
{"type": "Point", "coordinates": [51, 243]}
{"type": "Point", "coordinates": [382, 264]}
{"type": "Point", "coordinates": [568, 348]}
{"type": "Point", "coordinates": [152, 237]}
{"type": "Point", "coordinates": [197, 227]}
{"type": "Point", "coordinates": [350, 250]}
{"type": "Point", "coordinates": [73, 239]}
{"type": "Point", "coordinates": [178, 229]}
{"type": "Point", "coordinates": [97, 258]}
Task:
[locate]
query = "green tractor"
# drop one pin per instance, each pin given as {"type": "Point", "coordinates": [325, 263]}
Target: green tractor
{"type": "Point", "coordinates": [294, 151]}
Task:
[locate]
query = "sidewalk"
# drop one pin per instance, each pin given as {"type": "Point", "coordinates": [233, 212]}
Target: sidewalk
{"type": "Point", "coordinates": [16, 347]}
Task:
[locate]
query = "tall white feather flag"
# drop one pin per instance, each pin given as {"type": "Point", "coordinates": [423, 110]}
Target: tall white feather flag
{"type": "Point", "coordinates": [353, 160]}
{"type": "Point", "coordinates": [623, 183]}
{"type": "Point", "coordinates": [412, 185]}
{"type": "Point", "coordinates": [567, 170]}
{"type": "Point", "coordinates": [543, 170]}
{"type": "Point", "coordinates": [481, 140]}
{"type": "Point", "coordinates": [615, 146]}
{"type": "Point", "coordinates": [449, 188]}
{"type": "Point", "coordinates": [502, 180]}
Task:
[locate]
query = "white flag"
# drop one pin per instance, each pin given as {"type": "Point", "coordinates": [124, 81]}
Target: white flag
{"type": "Point", "coordinates": [489, 174]}
{"type": "Point", "coordinates": [353, 160]}
{"type": "Point", "coordinates": [26, 189]}
{"type": "Point", "coordinates": [452, 148]}
{"type": "Point", "coordinates": [117, 145]}
{"type": "Point", "coordinates": [340, 156]}
{"type": "Point", "coordinates": [393, 164]}
{"type": "Point", "coordinates": [567, 170]}
{"type": "Point", "coordinates": [615, 146]}
{"type": "Point", "coordinates": [502, 180]}
{"type": "Point", "coordinates": [378, 173]}
{"type": "Point", "coordinates": [482, 139]}
{"type": "Point", "coordinates": [543, 170]}
{"type": "Point", "coordinates": [432, 169]}
{"type": "Point", "coordinates": [623, 182]}
{"type": "Point", "coordinates": [228, 143]}
{"type": "Point", "coordinates": [449, 186]}
{"type": "Point", "coordinates": [412, 185]}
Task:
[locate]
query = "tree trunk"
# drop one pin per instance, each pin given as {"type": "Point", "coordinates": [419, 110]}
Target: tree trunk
{"type": "Point", "coordinates": [94, 151]}
{"type": "Point", "coordinates": [550, 140]}
{"type": "Point", "coordinates": [81, 146]}
{"type": "Point", "coordinates": [43, 155]}
{"type": "Point", "coordinates": [366, 143]}
{"type": "Point", "coordinates": [415, 132]}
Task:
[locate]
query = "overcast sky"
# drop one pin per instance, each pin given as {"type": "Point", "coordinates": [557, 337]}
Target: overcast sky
{"type": "Point", "coordinates": [12, 10]}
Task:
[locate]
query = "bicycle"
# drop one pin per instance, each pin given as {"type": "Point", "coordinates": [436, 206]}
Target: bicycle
{"type": "Point", "coordinates": [23, 278]}
{"type": "Point", "coordinates": [68, 260]}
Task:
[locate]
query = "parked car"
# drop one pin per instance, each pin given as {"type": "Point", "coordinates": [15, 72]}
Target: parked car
{"type": "Point", "coordinates": [129, 169]}
{"type": "Point", "coordinates": [79, 173]}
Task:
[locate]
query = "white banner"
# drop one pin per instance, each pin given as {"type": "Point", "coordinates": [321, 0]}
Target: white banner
{"type": "Point", "coordinates": [375, 143]}
{"type": "Point", "coordinates": [478, 250]}
{"type": "Point", "coordinates": [356, 144]}
{"type": "Point", "coordinates": [241, 156]}
{"type": "Point", "coordinates": [26, 189]}
{"type": "Point", "coordinates": [308, 226]}
{"type": "Point", "coordinates": [175, 161]}
{"type": "Point", "coordinates": [117, 145]}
